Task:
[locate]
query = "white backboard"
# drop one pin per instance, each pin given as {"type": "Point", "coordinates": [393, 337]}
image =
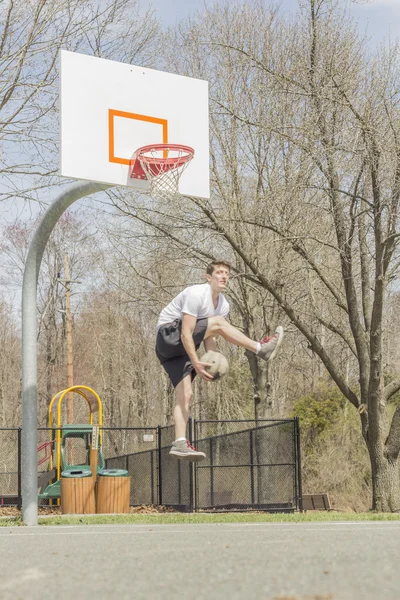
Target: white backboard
{"type": "Point", "coordinates": [110, 109]}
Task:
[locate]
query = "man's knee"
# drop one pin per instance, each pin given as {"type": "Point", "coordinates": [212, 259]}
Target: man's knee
{"type": "Point", "coordinates": [216, 323]}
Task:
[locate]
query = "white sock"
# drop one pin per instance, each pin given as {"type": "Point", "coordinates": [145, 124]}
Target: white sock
{"type": "Point", "coordinates": [180, 440]}
{"type": "Point", "coordinates": [258, 347]}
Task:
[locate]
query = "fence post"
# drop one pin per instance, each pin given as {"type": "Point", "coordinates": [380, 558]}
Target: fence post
{"type": "Point", "coordinates": [251, 467]}
{"type": "Point", "coordinates": [191, 469]}
{"type": "Point", "coordinates": [152, 475]}
{"type": "Point", "coordinates": [19, 468]}
{"type": "Point", "coordinates": [159, 465]}
{"type": "Point", "coordinates": [298, 463]}
{"type": "Point", "coordinates": [211, 473]}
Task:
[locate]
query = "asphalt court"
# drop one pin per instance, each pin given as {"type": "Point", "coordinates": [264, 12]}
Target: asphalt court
{"type": "Point", "coordinates": [272, 561]}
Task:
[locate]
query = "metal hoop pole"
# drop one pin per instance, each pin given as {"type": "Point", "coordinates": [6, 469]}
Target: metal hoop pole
{"type": "Point", "coordinates": [29, 342]}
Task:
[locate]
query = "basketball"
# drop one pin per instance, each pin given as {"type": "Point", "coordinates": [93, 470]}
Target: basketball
{"type": "Point", "coordinates": [219, 364]}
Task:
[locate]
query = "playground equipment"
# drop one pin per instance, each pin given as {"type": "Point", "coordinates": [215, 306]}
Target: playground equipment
{"type": "Point", "coordinates": [60, 455]}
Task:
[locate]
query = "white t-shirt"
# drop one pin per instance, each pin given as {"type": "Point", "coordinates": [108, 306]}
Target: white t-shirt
{"type": "Point", "coordinates": [195, 300]}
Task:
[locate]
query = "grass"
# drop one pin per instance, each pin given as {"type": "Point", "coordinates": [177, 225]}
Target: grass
{"type": "Point", "coordinates": [181, 518]}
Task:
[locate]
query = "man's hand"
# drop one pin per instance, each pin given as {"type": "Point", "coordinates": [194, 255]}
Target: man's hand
{"type": "Point", "coordinates": [199, 367]}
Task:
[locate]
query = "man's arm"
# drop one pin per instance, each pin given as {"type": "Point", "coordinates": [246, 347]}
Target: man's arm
{"type": "Point", "coordinates": [188, 325]}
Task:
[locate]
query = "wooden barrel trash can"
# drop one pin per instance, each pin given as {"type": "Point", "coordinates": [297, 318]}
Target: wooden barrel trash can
{"type": "Point", "coordinates": [113, 491]}
{"type": "Point", "coordinates": [77, 492]}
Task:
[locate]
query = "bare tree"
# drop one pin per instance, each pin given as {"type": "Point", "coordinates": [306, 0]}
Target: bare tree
{"type": "Point", "coordinates": [340, 114]}
{"type": "Point", "coordinates": [10, 378]}
{"type": "Point", "coordinates": [71, 235]}
{"type": "Point", "coordinates": [31, 35]}
{"type": "Point", "coordinates": [304, 157]}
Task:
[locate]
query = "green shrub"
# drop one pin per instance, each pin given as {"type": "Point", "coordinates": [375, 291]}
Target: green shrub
{"type": "Point", "coordinates": [334, 455]}
{"type": "Point", "coordinates": [318, 411]}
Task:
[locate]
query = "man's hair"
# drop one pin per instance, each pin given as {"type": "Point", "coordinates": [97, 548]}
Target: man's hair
{"type": "Point", "coordinates": [217, 263]}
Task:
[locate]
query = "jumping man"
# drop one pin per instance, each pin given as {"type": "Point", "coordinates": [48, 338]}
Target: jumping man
{"type": "Point", "coordinates": [196, 315]}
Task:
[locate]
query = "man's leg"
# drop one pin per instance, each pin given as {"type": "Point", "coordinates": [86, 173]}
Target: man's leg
{"type": "Point", "coordinates": [181, 448]}
{"type": "Point", "coordinates": [265, 349]}
{"type": "Point", "coordinates": [184, 395]}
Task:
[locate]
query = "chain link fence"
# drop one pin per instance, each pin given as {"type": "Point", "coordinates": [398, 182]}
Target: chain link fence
{"type": "Point", "coordinates": [10, 467]}
{"type": "Point", "coordinates": [176, 476]}
{"type": "Point", "coordinates": [249, 465]}
{"type": "Point", "coordinates": [136, 450]}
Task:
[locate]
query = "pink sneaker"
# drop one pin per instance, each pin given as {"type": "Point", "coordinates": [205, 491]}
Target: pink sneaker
{"type": "Point", "coordinates": [270, 345]}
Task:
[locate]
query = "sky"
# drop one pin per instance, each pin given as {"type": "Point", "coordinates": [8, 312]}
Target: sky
{"type": "Point", "coordinates": [381, 17]}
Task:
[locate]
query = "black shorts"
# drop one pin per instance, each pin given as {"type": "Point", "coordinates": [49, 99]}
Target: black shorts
{"type": "Point", "coordinates": [171, 352]}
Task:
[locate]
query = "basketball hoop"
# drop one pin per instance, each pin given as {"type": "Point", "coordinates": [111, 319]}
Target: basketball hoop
{"type": "Point", "coordinates": [162, 165]}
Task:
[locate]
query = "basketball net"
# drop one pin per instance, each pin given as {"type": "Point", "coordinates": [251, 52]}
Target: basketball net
{"type": "Point", "coordinates": [163, 166]}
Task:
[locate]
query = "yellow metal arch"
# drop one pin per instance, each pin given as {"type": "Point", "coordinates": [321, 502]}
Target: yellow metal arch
{"type": "Point", "coordinates": [57, 399]}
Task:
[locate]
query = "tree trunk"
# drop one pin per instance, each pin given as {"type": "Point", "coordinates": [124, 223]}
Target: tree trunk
{"type": "Point", "coordinates": [385, 482]}
{"type": "Point", "coordinates": [384, 465]}
{"type": "Point", "coordinates": [261, 386]}
{"type": "Point", "coordinates": [266, 483]}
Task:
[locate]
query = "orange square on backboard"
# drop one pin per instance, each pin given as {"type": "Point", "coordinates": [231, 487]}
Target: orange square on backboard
{"type": "Point", "coordinates": [127, 115]}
